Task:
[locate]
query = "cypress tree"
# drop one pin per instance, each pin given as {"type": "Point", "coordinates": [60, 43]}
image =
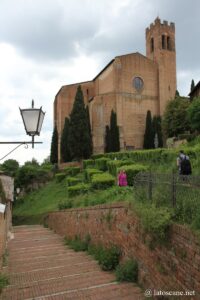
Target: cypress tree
{"type": "Point", "coordinates": [64, 145]}
{"type": "Point", "coordinates": [90, 144]}
{"type": "Point", "coordinates": [148, 136]}
{"type": "Point", "coordinates": [107, 140]}
{"type": "Point", "coordinates": [114, 133]}
{"type": "Point", "coordinates": [54, 147]}
{"type": "Point", "coordinates": [192, 85]}
{"type": "Point", "coordinates": [79, 137]}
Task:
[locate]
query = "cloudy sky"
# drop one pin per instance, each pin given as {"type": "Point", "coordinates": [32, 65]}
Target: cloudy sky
{"type": "Point", "coordinates": [45, 44]}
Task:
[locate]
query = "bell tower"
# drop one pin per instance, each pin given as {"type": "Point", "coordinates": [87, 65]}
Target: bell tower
{"type": "Point", "coordinates": [160, 47]}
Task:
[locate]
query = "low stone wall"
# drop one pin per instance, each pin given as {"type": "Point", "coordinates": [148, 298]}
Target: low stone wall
{"type": "Point", "coordinates": [175, 267]}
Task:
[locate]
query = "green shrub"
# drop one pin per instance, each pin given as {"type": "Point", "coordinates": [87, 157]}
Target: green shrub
{"type": "Point", "coordinates": [101, 163]}
{"type": "Point", "coordinates": [60, 177]}
{"type": "Point", "coordinates": [108, 258]}
{"type": "Point", "coordinates": [73, 171]}
{"type": "Point", "coordinates": [127, 271]}
{"type": "Point", "coordinates": [102, 181]}
{"type": "Point", "coordinates": [155, 220]}
{"type": "Point", "coordinates": [78, 189]}
{"type": "Point", "coordinates": [114, 164]}
{"type": "Point", "coordinates": [73, 181]}
{"type": "Point", "coordinates": [88, 163]}
{"type": "Point", "coordinates": [132, 171]}
{"type": "Point", "coordinates": [65, 204]}
{"type": "Point", "coordinates": [77, 244]}
{"type": "Point", "coordinates": [3, 281]}
{"type": "Point", "coordinates": [88, 173]}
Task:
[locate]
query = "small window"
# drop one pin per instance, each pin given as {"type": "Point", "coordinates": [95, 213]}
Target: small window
{"type": "Point", "coordinates": [87, 92]}
{"type": "Point", "coordinates": [163, 42]}
{"type": "Point", "coordinates": [138, 83]}
{"type": "Point", "coordinates": [152, 45]}
{"type": "Point", "coordinates": [168, 43]}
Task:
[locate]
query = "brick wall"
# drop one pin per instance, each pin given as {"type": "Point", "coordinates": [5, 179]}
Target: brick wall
{"type": "Point", "coordinates": [172, 267]}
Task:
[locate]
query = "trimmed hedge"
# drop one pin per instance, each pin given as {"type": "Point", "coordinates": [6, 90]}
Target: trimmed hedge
{"type": "Point", "coordinates": [132, 171]}
{"type": "Point", "coordinates": [151, 155]}
{"type": "Point", "coordinates": [114, 164]}
{"type": "Point", "coordinates": [72, 170]}
{"type": "Point", "coordinates": [88, 173]}
{"type": "Point", "coordinates": [88, 163]}
{"type": "Point", "coordinates": [71, 181]}
{"type": "Point", "coordinates": [78, 189]}
{"type": "Point", "coordinates": [102, 181]}
{"type": "Point", "coordinates": [101, 163]}
{"type": "Point", "coordinates": [60, 177]}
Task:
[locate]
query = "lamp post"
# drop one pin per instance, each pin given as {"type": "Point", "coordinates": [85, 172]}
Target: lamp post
{"type": "Point", "coordinates": [32, 119]}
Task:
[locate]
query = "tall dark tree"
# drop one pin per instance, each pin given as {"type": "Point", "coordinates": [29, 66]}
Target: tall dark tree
{"type": "Point", "coordinates": [64, 145]}
{"type": "Point", "coordinates": [192, 85]}
{"type": "Point", "coordinates": [90, 145]}
{"type": "Point", "coordinates": [79, 137]}
{"type": "Point", "coordinates": [54, 147]}
{"type": "Point", "coordinates": [114, 133]}
{"type": "Point", "coordinates": [148, 136]}
{"type": "Point", "coordinates": [107, 140]}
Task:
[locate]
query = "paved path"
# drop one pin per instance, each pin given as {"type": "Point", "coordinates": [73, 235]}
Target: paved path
{"type": "Point", "coordinates": [40, 266]}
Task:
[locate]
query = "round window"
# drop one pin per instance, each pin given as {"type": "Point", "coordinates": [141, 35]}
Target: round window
{"type": "Point", "coordinates": [138, 83]}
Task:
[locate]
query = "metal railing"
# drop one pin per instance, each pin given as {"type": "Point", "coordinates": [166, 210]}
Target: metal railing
{"type": "Point", "coordinates": [166, 189]}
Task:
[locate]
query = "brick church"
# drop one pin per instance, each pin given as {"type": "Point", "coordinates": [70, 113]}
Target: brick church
{"type": "Point", "coordinates": [129, 84]}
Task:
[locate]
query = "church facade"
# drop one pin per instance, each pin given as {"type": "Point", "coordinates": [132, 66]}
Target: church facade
{"type": "Point", "coordinates": [130, 85]}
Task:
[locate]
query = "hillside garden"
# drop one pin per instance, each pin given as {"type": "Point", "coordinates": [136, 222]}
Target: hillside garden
{"type": "Point", "coordinates": [96, 183]}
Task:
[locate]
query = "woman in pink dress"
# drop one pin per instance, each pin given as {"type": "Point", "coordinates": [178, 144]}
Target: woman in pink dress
{"type": "Point", "coordinates": [122, 178]}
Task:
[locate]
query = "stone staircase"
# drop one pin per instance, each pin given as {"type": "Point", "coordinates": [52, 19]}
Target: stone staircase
{"type": "Point", "coordinates": [40, 266]}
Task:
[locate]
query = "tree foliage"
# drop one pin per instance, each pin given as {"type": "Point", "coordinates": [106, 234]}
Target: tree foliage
{"type": "Point", "coordinates": [10, 167]}
{"type": "Point", "coordinates": [54, 147]}
{"type": "Point", "coordinates": [175, 120]}
{"type": "Point", "coordinates": [194, 114]}
{"type": "Point", "coordinates": [64, 146]}
{"type": "Point", "coordinates": [149, 132]}
{"type": "Point", "coordinates": [79, 137]}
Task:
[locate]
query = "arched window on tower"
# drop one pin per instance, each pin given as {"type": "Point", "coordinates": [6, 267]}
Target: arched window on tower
{"type": "Point", "coordinates": [163, 42]}
{"type": "Point", "coordinates": [169, 43]}
{"type": "Point", "coordinates": [152, 44]}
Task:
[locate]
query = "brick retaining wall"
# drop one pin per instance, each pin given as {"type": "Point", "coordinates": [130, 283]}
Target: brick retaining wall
{"type": "Point", "coordinates": [175, 267]}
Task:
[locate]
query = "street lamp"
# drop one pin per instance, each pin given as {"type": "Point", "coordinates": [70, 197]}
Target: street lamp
{"type": "Point", "coordinates": [32, 119]}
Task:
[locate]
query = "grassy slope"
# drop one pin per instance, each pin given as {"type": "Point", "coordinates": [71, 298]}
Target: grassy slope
{"type": "Point", "coordinates": [48, 198]}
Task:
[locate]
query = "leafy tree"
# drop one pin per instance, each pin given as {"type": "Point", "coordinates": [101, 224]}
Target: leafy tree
{"type": "Point", "coordinates": [175, 119]}
{"type": "Point", "coordinates": [79, 137]}
{"type": "Point", "coordinates": [54, 147]}
{"type": "Point", "coordinates": [64, 146]}
{"type": "Point", "coordinates": [192, 85]}
{"type": "Point", "coordinates": [194, 114]}
{"type": "Point", "coordinates": [114, 133]}
{"type": "Point", "coordinates": [90, 145]}
{"type": "Point", "coordinates": [149, 132]}
{"type": "Point", "coordinates": [10, 167]}
{"type": "Point", "coordinates": [32, 162]}
{"type": "Point", "coordinates": [107, 140]}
